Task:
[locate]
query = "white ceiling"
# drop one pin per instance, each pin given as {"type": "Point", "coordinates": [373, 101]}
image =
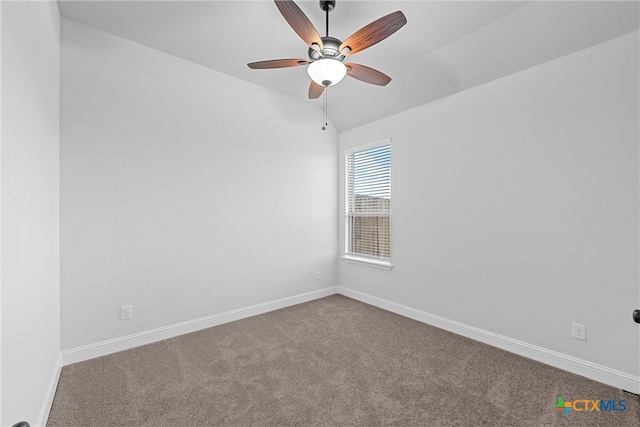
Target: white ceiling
{"type": "Point", "coordinates": [446, 46]}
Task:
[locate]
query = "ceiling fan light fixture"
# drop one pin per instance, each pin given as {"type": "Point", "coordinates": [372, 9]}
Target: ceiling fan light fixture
{"type": "Point", "coordinates": [327, 72]}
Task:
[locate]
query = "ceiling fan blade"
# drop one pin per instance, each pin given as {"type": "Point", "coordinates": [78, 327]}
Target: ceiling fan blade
{"type": "Point", "coordinates": [277, 63]}
{"type": "Point", "coordinates": [367, 74]}
{"type": "Point", "coordinates": [299, 22]}
{"type": "Point", "coordinates": [373, 33]}
{"type": "Point", "coordinates": [315, 90]}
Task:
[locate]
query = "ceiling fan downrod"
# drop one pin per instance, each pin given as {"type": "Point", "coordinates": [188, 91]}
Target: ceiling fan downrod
{"type": "Point", "coordinates": [327, 6]}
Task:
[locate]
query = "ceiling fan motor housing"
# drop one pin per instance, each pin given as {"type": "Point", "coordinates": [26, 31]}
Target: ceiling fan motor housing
{"type": "Point", "coordinates": [330, 49]}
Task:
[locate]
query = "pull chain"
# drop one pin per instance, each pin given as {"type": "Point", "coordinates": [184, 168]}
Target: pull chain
{"type": "Point", "coordinates": [324, 108]}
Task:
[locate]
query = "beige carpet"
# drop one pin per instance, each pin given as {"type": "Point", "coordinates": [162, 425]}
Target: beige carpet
{"type": "Point", "coordinates": [329, 362]}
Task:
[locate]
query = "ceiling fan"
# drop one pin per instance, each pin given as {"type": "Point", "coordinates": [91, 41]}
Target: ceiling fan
{"type": "Point", "coordinates": [326, 65]}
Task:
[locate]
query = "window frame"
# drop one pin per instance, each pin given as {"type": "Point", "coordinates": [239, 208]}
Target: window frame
{"type": "Point", "coordinates": [370, 261]}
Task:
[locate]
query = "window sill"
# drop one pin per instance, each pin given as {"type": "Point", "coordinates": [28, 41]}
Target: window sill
{"type": "Point", "coordinates": [368, 262]}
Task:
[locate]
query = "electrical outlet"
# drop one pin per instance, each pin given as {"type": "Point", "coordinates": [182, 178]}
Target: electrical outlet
{"type": "Point", "coordinates": [578, 331]}
{"type": "Point", "coordinates": [317, 275]}
{"type": "Point", "coordinates": [126, 312]}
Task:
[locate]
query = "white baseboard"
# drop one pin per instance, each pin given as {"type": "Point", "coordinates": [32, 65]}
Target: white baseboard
{"type": "Point", "coordinates": [45, 409]}
{"type": "Point", "coordinates": [568, 363]}
{"type": "Point", "coordinates": [104, 348]}
{"type": "Point", "coordinates": [572, 364]}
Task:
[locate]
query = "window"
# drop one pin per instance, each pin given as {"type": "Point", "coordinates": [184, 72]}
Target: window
{"type": "Point", "coordinates": [368, 204]}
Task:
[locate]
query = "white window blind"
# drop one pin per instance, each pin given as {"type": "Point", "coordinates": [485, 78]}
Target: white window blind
{"type": "Point", "coordinates": [368, 201]}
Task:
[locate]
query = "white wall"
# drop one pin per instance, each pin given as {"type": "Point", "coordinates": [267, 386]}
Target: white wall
{"type": "Point", "coordinates": [30, 210]}
{"type": "Point", "coordinates": [185, 192]}
{"type": "Point", "coordinates": [515, 206]}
